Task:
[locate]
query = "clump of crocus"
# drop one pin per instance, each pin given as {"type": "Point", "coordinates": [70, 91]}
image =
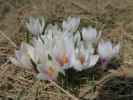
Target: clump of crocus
{"type": "Point", "coordinates": [107, 51]}
{"type": "Point", "coordinates": [58, 48]}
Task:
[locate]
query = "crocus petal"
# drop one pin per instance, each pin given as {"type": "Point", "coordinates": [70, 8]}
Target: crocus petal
{"type": "Point", "coordinates": [26, 61]}
{"type": "Point", "coordinates": [53, 29]}
{"type": "Point", "coordinates": [50, 70]}
{"type": "Point", "coordinates": [40, 51]}
{"type": "Point", "coordinates": [31, 53]}
{"type": "Point", "coordinates": [90, 49]}
{"type": "Point", "coordinates": [40, 68]}
{"type": "Point", "coordinates": [22, 58]}
{"type": "Point", "coordinates": [69, 46]}
{"type": "Point", "coordinates": [77, 66]}
{"type": "Point", "coordinates": [31, 25]}
{"type": "Point", "coordinates": [93, 60]}
{"type": "Point", "coordinates": [15, 61]}
{"type": "Point", "coordinates": [71, 24]}
{"type": "Point", "coordinates": [89, 34]}
{"type": "Point", "coordinates": [23, 62]}
{"type": "Point", "coordinates": [41, 76]}
{"type": "Point", "coordinates": [116, 50]}
{"type": "Point", "coordinates": [23, 47]}
{"type": "Point", "coordinates": [66, 66]}
{"type": "Point", "coordinates": [59, 53]}
{"type": "Point", "coordinates": [105, 49]}
{"type": "Point", "coordinates": [18, 54]}
{"type": "Point", "coordinates": [35, 25]}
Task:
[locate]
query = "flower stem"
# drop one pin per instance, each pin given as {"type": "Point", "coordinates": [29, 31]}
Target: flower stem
{"type": "Point", "coordinates": [27, 37]}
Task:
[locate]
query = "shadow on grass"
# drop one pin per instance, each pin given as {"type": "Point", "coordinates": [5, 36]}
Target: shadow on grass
{"type": "Point", "coordinates": [73, 80]}
{"type": "Point", "coordinates": [117, 88]}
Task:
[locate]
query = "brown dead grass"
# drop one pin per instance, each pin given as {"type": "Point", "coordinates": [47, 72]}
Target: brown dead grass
{"type": "Point", "coordinates": [113, 16]}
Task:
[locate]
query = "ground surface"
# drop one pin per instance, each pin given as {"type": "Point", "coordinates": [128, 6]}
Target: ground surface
{"type": "Point", "coordinates": [114, 17]}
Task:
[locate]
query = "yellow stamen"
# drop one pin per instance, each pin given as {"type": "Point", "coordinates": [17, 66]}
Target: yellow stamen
{"type": "Point", "coordinates": [82, 59]}
{"type": "Point", "coordinates": [51, 71]}
{"type": "Point", "coordinates": [65, 59]}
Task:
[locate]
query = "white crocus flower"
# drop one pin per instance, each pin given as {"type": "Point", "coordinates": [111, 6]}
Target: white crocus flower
{"type": "Point", "coordinates": [22, 59]}
{"type": "Point", "coordinates": [59, 53]}
{"type": "Point", "coordinates": [49, 70]}
{"type": "Point", "coordinates": [63, 51]}
{"type": "Point", "coordinates": [40, 50]}
{"type": "Point", "coordinates": [71, 24]}
{"type": "Point", "coordinates": [35, 25]}
{"type": "Point", "coordinates": [60, 49]}
{"type": "Point", "coordinates": [84, 59]}
{"type": "Point", "coordinates": [90, 35]}
{"type": "Point", "coordinates": [79, 58]}
{"type": "Point", "coordinates": [107, 51]}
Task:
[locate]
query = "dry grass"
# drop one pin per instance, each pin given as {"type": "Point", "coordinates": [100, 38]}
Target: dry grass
{"type": "Point", "coordinates": [113, 16]}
